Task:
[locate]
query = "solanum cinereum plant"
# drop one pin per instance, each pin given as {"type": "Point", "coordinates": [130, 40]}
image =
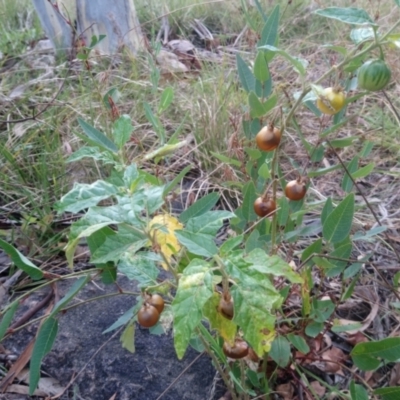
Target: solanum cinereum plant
{"type": "Point", "coordinates": [243, 290]}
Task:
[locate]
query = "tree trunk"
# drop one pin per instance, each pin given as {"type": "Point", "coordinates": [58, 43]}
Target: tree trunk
{"type": "Point", "coordinates": [116, 19]}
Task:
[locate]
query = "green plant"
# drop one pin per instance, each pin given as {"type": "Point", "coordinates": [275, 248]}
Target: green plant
{"type": "Point", "coordinates": [255, 304]}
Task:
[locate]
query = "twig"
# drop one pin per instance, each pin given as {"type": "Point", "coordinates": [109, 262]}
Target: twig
{"type": "Point", "coordinates": [179, 376]}
{"type": "Point", "coordinates": [30, 313]}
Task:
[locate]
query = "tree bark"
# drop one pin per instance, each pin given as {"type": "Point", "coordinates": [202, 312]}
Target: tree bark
{"type": "Point", "coordinates": [64, 21]}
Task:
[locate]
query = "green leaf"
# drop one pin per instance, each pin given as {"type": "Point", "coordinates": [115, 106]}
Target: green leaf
{"type": "Point", "coordinates": [328, 208]}
{"type": "Point", "coordinates": [126, 239]}
{"type": "Point", "coordinates": [270, 104]}
{"type": "Point", "coordinates": [263, 91]}
{"type": "Point", "coordinates": [166, 99]}
{"type": "Point", "coordinates": [249, 197]}
{"type": "Point", "coordinates": [388, 393]}
{"type": "Point", "coordinates": [343, 142]}
{"type": "Point", "coordinates": [200, 207]}
{"type": "Point", "coordinates": [271, 265]}
{"type": "Point", "coordinates": [280, 351]}
{"type": "Point", "coordinates": [91, 152]}
{"type": "Point", "coordinates": [366, 363]}
{"type": "Point", "coordinates": [21, 261]}
{"type": "Point", "coordinates": [397, 2]}
{"type": "Point", "coordinates": [7, 318]}
{"type": "Point", "coordinates": [269, 33]}
{"type": "Point", "coordinates": [97, 137]}
{"type": "Point", "coordinates": [252, 242]}
{"type": "Point", "coordinates": [140, 267]}
{"type": "Point", "coordinates": [43, 344]}
{"type": "Point", "coordinates": [260, 10]}
{"type": "Point", "coordinates": [85, 195]}
{"type": "Point", "coordinates": [313, 248]}
{"type": "Point", "coordinates": [313, 329]}
{"type": "Point", "coordinates": [124, 318]}
{"type": "Point", "coordinates": [388, 349]}
{"type": "Point", "coordinates": [299, 342]}
{"type": "Point", "coordinates": [122, 130]}
{"type": "Point", "coordinates": [256, 107]}
{"type": "Point", "coordinates": [245, 75]}
{"type": "Point", "coordinates": [131, 174]}
{"type": "Point", "coordinates": [194, 289]}
{"type": "Point", "coordinates": [364, 171]}
{"type": "Point", "coordinates": [369, 234]}
{"type": "Point", "coordinates": [74, 289]}
{"type": "Point", "coordinates": [358, 392]}
{"type": "Point", "coordinates": [298, 64]}
{"type": "Point", "coordinates": [260, 69]}
{"type": "Point", "coordinates": [226, 160]}
{"type": "Point", "coordinates": [255, 300]}
{"type": "Point", "coordinates": [263, 171]}
{"type": "Point", "coordinates": [230, 245]}
{"type": "Point", "coordinates": [348, 15]}
{"type": "Point", "coordinates": [155, 122]}
{"type": "Point", "coordinates": [127, 338]}
{"type": "Point", "coordinates": [197, 243]}
{"type": "Point", "coordinates": [335, 127]}
{"type": "Point", "coordinates": [322, 310]}
{"type": "Point", "coordinates": [114, 94]}
{"type": "Point", "coordinates": [338, 223]}
{"type": "Point", "coordinates": [367, 148]}
{"type": "Point", "coordinates": [339, 328]}
{"type": "Point", "coordinates": [208, 223]}
{"type": "Point", "coordinates": [171, 185]}
{"type": "Point", "coordinates": [359, 35]}
{"type": "Point", "coordinates": [166, 150]}
{"type": "Point", "coordinates": [347, 183]}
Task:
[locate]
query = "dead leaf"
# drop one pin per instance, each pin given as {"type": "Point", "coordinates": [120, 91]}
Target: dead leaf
{"type": "Point", "coordinates": [286, 390]}
{"type": "Point", "coordinates": [318, 389]}
{"type": "Point", "coordinates": [169, 62]}
{"type": "Point", "coordinates": [331, 361]}
{"type": "Point", "coordinates": [356, 338]}
{"type": "Point", "coordinates": [17, 367]}
{"type": "Point", "coordinates": [181, 46]}
{"type": "Point", "coordinates": [395, 376]}
{"type": "Point", "coordinates": [24, 357]}
{"type": "Point", "coordinates": [22, 389]}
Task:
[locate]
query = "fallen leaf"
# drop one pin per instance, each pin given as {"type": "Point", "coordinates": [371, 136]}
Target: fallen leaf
{"type": "Point", "coordinates": [318, 389]}
{"type": "Point", "coordinates": [286, 390]}
{"type": "Point", "coordinates": [331, 361]}
{"type": "Point", "coordinates": [395, 376]}
{"type": "Point", "coordinates": [356, 338]}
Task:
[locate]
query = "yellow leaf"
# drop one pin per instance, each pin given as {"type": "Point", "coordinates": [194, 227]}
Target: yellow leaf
{"type": "Point", "coordinates": [162, 228]}
{"type": "Point", "coordinates": [225, 327]}
{"type": "Point", "coordinates": [128, 337]}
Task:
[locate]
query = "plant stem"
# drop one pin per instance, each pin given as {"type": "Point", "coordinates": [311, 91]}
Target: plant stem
{"type": "Point", "coordinates": [218, 366]}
